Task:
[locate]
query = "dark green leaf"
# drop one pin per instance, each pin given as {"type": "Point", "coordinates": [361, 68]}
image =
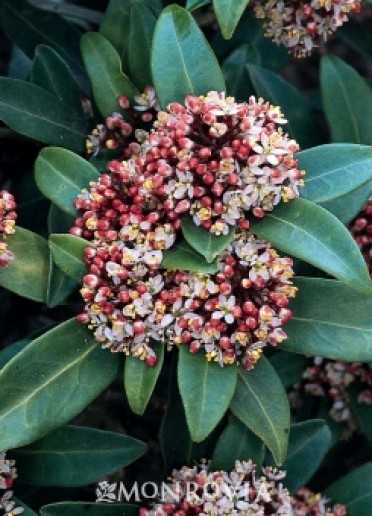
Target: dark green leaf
{"type": "Point", "coordinates": [142, 25]}
{"type": "Point", "coordinates": [38, 114]}
{"type": "Point", "coordinates": [236, 74]}
{"type": "Point", "coordinates": [61, 175]}
{"type": "Point", "coordinates": [181, 52]}
{"type": "Point", "coordinates": [289, 367]}
{"type": "Point", "coordinates": [67, 251]}
{"type": "Point", "coordinates": [140, 379]}
{"type": "Point", "coordinates": [329, 320]}
{"type": "Point", "coordinates": [349, 112]}
{"type": "Point", "coordinates": [104, 69]}
{"type": "Point", "coordinates": [206, 390]}
{"type": "Point", "coordinates": [11, 350]}
{"type": "Point", "coordinates": [348, 206]}
{"type": "Point", "coordinates": [194, 4]}
{"type": "Point", "coordinates": [309, 232]}
{"type": "Point", "coordinates": [361, 411]}
{"type": "Point", "coordinates": [59, 221]}
{"type": "Point", "coordinates": [90, 509]}
{"type": "Point", "coordinates": [27, 511]}
{"type": "Point", "coordinates": [59, 287]}
{"type": "Point", "coordinates": [334, 170]}
{"type": "Point", "coordinates": [237, 443]}
{"type": "Point", "coordinates": [50, 382]}
{"type": "Point", "coordinates": [354, 490]}
{"type": "Point", "coordinates": [228, 13]}
{"type": "Point", "coordinates": [27, 274]}
{"type": "Point", "coordinates": [261, 403]}
{"type": "Point", "coordinates": [357, 36]}
{"type": "Point", "coordinates": [75, 456]}
{"type": "Point", "coordinates": [182, 256]}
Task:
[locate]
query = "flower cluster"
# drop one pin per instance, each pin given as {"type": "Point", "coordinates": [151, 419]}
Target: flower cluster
{"type": "Point", "coordinates": [241, 491]}
{"type": "Point", "coordinates": [7, 475]}
{"type": "Point", "coordinates": [361, 229]}
{"type": "Point", "coordinates": [7, 222]}
{"type": "Point", "coordinates": [299, 25]}
{"type": "Point", "coordinates": [307, 503]}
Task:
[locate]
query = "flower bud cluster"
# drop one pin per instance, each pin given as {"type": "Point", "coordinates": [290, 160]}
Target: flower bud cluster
{"type": "Point", "coordinates": [7, 222]}
{"type": "Point", "coordinates": [299, 25]}
{"type": "Point", "coordinates": [7, 475]}
{"type": "Point", "coordinates": [307, 503]}
{"type": "Point", "coordinates": [361, 229]}
{"type": "Point", "coordinates": [241, 491]}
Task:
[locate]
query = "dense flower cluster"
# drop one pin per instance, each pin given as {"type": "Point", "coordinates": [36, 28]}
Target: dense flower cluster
{"type": "Point", "coordinates": [7, 475]}
{"type": "Point", "coordinates": [307, 503]}
{"type": "Point", "coordinates": [299, 24]}
{"type": "Point", "coordinates": [242, 491]}
{"type": "Point", "coordinates": [7, 222]}
{"type": "Point", "coordinates": [361, 229]}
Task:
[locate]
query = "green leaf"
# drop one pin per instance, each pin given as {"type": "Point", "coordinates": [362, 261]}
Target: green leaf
{"type": "Point", "coordinates": [334, 170]}
{"type": "Point", "coordinates": [357, 36]}
{"type": "Point", "coordinates": [50, 382]}
{"type": "Point", "coordinates": [235, 72]}
{"type": "Point", "coordinates": [354, 490]}
{"type": "Point", "coordinates": [59, 221]}
{"type": "Point", "coordinates": [309, 232]}
{"type": "Point", "coordinates": [75, 456]}
{"type": "Point", "coordinates": [59, 286]}
{"type": "Point", "coordinates": [203, 241]}
{"type": "Point", "coordinates": [361, 411]}
{"type": "Point", "coordinates": [261, 403]}
{"type": "Point", "coordinates": [38, 114]}
{"type": "Point", "coordinates": [11, 350]}
{"type": "Point", "coordinates": [104, 69]}
{"type": "Point", "coordinates": [67, 251]}
{"type": "Point", "coordinates": [348, 206]}
{"type": "Point", "coordinates": [228, 13]}
{"type": "Point", "coordinates": [273, 88]}
{"type": "Point", "coordinates": [206, 390]}
{"type": "Point", "coordinates": [181, 256]}
{"type": "Point", "coordinates": [180, 51]}
{"type": "Point", "coordinates": [330, 320]}
{"type": "Point", "coordinates": [27, 511]}
{"type": "Point", "coordinates": [90, 509]}
{"type": "Point", "coordinates": [194, 4]}
{"type": "Point", "coordinates": [140, 379]}
{"type": "Point", "coordinates": [308, 444]}
{"type": "Point", "coordinates": [142, 26]}
{"type": "Point", "coordinates": [288, 367]}
{"type": "Point", "coordinates": [349, 112]}
{"type": "Point", "coordinates": [27, 274]}
{"type": "Point", "coordinates": [61, 175]}
{"type": "Point", "coordinates": [237, 443]}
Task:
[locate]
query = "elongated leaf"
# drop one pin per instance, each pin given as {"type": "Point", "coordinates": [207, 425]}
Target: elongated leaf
{"type": "Point", "coordinates": [59, 286]}
{"type": "Point", "coordinates": [194, 4]}
{"type": "Point", "coordinates": [75, 456]}
{"type": "Point", "coordinates": [67, 251]}
{"type": "Point", "coordinates": [59, 221]}
{"type": "Point", "coordinates": [93, 509]}
{"type": "Point", "coordinates": [61, 175]}
{"type": "Point", "coordinates": [348, 206]}
{"type": "Point", "coordinates": [361, 411]}
{"type": "Point", "coordinates": [354, 490]}
{"type": "Point", "coordinates": [228, 13]}
{"type": "Point", "coordinates": [357, 36]}
{"type": "Point", "coordinates": [11, 350]}
{"type": "Point", "coordinates": [206, 390]}
{"type": "Point", "coordinates": [142, 26]}
{"type": "Point", "coordinates": [58, 374]}
{"type": "Point", "coordinates": [314, 235]}
{"type": "Point", "coordinates": [334, 170]}
{"type": "Point", "coordinates": [235, 71]}
{"type": "Point", "coordinates": [183, 257]}
{"type": "Point", "coordinates": [104, 69]}
{"type": "Point", "coordinates": [237, 443]}
{"type": "Point", "coordinates": [330, 320]}
{"type": "Point", "coordinates": [207, 244]}
{"type": "Point", "coordinates": [140, 380]}
{"type": "Point", "coordinates": [349, 113]}
{"type": "Point", "coordinates": [180, 51]}
{"type": "Point", "coordinates": [27, 274]}
{"type": "Point", "coordinates": [289, 367]}
{"type": "Point", "coordinates": [261, 403]}
{"type": "Point", "coordinates": [36, 113]}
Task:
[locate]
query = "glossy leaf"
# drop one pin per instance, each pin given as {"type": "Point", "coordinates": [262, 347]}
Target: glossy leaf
{"type": "Point", "coordinates": [334, 170]}
{"type": "Point", "coordinates": [75, 456]}
{"type": "Point", "coordinates": [329, 320]}
{"type": "Point", "coordinates": [349, 113]}
{"type": "Point", "coordinates": [11, 350]}
{"type": "Point", "coordinates": [61, 175]}
{"type": "Point", "coordinates": [38, 114]}
{"type": "Point", "coordinates": [309, 232]}
{"type": "Point", "coordinates": [181, 256]}
{"type": "Point", "coordinates": [140, 379]}
{"type": "Point", "coordinates": [104, 69]}
{"type": "Point", "coordinates": [180, 51]}
{"type": "Point", "coordinates": [228, 13]}
{"type": "Point", "coordinates": [237, 443]}
{"type": "Point", "coordinates": [361, 412]}
{"type": "Point", "coordinates": [27, 274]}
{"type": "Point", "coordinates": [142, 26]}
{"type": "Point", "coordinates": [206, 390]}
{"type": "Point", "coordinates": [194, 4]}
{"type": "Point", "coordinates": [60, 286]}
{"type": "Point", "coordinates": [58, 375]}
{"type": "Point", "coordinates": [346, 207]}
{"type": "Point", "coordinates": [67, 252]}
{"type": "Point", "coordinates": [236, 75]}
{"type": "Point", "coordinates": [354, 490]}
{"type": "Point", "coordinates": [261, 403]}
{"type": "Point", "coordinates": [90, 509]}
{"type": "Point", "coordinates": [288, 366]}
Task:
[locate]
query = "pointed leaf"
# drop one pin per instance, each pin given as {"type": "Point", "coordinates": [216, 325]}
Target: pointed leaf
{"type": "Point", "coordinates": [93, 509]}
{"type": "Point", "coordinates": [142, 26]}
{"type": "Point", "coordinates": [236, 73]}
{"type": "Point", "coordinates": [61, 175]}
{"type": "Point", "coordinates": [59, 286]}
{"type": "Point", "coordinates": [309, 232]}
{"type": "Point", "coordinates": [180, 51]}
{"type": "Point", "coordinates": [261, 403]}
{"type": "Point", "coordinates": [181, 256]}
{"type": "Point", "coordinates": [206, 390]}
{"type": "Point", "coordinates": [289, 367]}
{"type": "Point", "coordinates": [228, 13]}
{"type": "Point", "coordinates": [140, 379]}
{"type": "Point", "coordinates": [329, 320]}
{"type": "Point", "coordinates": [57, 375]}
{"type": "Point", "coordinates": [67, 251]}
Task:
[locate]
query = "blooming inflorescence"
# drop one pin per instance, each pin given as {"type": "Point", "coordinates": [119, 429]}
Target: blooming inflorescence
{"type": "Point", "coordinates": [299, 25]}
{"type": "Point", "coordinates": [7, 222]}
{"type": "Point", "coordinates": [7, 475]}
{"type": "Point", "coordinates": [361, 229]}
{"type": "Point", "coordinates": [307, 503]}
